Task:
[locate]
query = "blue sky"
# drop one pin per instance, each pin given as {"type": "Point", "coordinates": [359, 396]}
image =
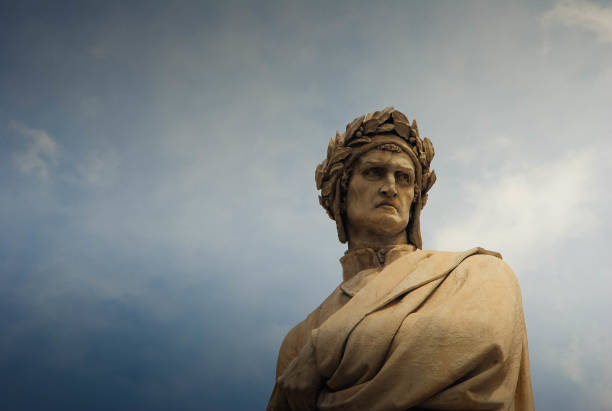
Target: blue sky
{"type": "Point", "coordinates": [160, 225]}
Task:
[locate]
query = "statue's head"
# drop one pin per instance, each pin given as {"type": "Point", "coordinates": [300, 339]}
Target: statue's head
{"type": "Point", "coordinates": [376, 176]}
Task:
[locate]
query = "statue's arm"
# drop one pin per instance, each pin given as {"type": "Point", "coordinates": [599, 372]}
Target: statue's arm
{"type": "Point", "coordinates": [488, 364]}
{"type": "Point", "coordinates": [295, 359]}
{"type": "Point", "coordinates": [290, 348]}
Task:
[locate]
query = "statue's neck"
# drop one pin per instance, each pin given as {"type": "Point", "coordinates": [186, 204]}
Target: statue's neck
{"type": "Point", "coordinates": [360, 259]}
{"type": "Point", "coordinates": [376, 242]}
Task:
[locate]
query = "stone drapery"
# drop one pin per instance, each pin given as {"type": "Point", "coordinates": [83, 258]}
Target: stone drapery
{"type": "Point", "coordinates": [426, 330]}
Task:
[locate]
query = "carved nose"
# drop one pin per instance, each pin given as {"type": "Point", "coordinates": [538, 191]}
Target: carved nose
{"type": "Point", "coordinates": [389, 189]}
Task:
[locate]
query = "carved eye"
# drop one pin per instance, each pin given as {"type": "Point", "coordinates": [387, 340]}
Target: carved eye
{"type": "Point", "coordinates": [404, 178]}
{"type": "Point", "coordinates": [374, 172]}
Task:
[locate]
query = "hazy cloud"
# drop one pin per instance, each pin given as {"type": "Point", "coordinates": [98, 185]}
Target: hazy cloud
{"type": "Point", "coordinates": [517, 206]}
{"type": "Point", "coordinates": [41, 154]}
{"type": "Point", "coordinates": [586, 362]}
{"type": "Point", "coordinates": [99, 168]}
{"type": "Point", "coordinates": [585, 15]}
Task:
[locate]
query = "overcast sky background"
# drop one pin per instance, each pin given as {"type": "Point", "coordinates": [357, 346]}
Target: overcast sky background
{"type": "Point", "coordinates": [159, 225]}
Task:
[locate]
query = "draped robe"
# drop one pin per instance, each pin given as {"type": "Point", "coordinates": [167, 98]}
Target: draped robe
{"type": "Point", "coordinates": [416, 329]}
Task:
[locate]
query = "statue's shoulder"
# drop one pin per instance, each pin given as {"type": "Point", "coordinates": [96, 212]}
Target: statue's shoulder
{"type": "Point", "coordinates": [480, 282]}
{"type": "Point", "coordinates": [478, 263]}
{"type": "Point", "coordinates": [486, 267]}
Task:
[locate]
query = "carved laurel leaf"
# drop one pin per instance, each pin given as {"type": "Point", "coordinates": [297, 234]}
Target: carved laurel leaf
{"type": "Point", "coordinates": [431, 179]}
{"type": "Point", "coordinates": [319, 174]}
{"type": "Point", "coordinates": [422, 158]}
{"type": "Point", "coordinates": [340, 154]}
{"type": "Point", "coordinates": [351, 128]}
{"type": "Point", "coordinates": [370, 126]}
{"type": "Point", "coordinates": [331, 147]}
{"type": "Point", "coordinates": [359, 141]}
{"type": "Point", "coordinates": [425, 185]}
{"type": "Point", "coordinates": [403, 129]}
{"type": "Point", "coordinates": [429, 149]}
{"type": "Point", "coordinates": [415, 126]}
{"type": "Point", "coordinates": [357, 134]}
{"type": "Point", "coordinates": [385, 128]}
{"type": "Point", "coordinates": [419, 144]}
{"type": "Point", "coordinates": [424, 181]}
{"type": "Point", "coordinates": [336, 167]}
{"type": "Point", "coordinates": [399, 116]}
{"type": "Point", "coordinates": [385, 114]}
{"type": "Point", "coordinates": [326, 189]}
{"type": "Point", "coordinates": [339, 138]}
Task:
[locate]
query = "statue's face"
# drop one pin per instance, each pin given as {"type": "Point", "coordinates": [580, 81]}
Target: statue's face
{"type": "Point", "coordinates": [380, 193]}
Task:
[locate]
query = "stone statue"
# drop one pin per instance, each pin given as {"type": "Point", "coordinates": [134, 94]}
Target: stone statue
{"type": "Point", "coordinates": [407, 328]}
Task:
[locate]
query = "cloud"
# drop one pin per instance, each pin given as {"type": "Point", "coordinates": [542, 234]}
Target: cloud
{"type": "Point", "coordinates": [516, 207]}
{"type": "Point", "coordinates": [95, 168]}
{"type": "Point", "coordinates": [99, 168]}
{"type": "Point", "coordinates": [586, 360]}
{"type": "Point", "coordinates": [41, 155]}
{"type": "Point", "coordinates": [583, 14]}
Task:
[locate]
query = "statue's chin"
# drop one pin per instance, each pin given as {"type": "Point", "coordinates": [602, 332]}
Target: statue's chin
{"type": "Point", "coordinates": [380, 225]}
{"type": "Point", "coordinates": [388, 224]}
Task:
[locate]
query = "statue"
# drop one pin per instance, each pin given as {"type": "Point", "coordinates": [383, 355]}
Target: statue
{"type": "Point", "coordinates": [407, 328]}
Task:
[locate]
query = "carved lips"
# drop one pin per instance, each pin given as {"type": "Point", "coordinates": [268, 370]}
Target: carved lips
{"type": "Point", "coordinates": [390, 205]}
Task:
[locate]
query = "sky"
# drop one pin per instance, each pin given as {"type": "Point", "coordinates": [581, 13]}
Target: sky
{"type": "Point", "coordinates": [160, 228]}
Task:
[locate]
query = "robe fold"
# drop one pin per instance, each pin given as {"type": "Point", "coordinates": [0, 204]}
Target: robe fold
{"type": "Point", "coordinates": [416, 329]}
